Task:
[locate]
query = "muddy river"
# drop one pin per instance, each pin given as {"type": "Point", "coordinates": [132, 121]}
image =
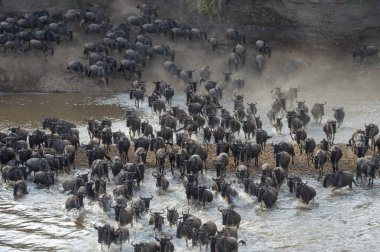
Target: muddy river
{"type": "Point", "coordinates": [343, 220]}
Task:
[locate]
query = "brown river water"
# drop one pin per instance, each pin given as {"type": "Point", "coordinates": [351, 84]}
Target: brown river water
{"type": "Point", "coordinates": [343, 220]}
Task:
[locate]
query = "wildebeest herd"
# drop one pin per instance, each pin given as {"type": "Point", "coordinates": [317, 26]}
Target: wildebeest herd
{"type": "Point", "coordinates": [42, 154]}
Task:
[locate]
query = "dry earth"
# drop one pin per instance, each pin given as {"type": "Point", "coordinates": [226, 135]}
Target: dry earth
{"type": "Point", "coordinates": [300, 166]}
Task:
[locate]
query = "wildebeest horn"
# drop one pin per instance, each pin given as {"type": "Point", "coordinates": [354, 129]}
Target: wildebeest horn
{"type": "Point", "coordinates": [163, 211]}
{"type": "Point", "coordinates": [219, 209]}
{"type": "Point", "coordinates": [154, 175]}
{"type": "Point", "coordinates": [133, 244]}
{"type": "Point", "coordinates": [151, 196]}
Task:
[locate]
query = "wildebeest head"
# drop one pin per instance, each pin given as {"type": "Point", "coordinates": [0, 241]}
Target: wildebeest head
{"type": "Point", "coordinates": [146, 201]}
{"type": "Point", "coordinates": [157, 219]}
{"type": "Point", "coordinates": [300, 104]}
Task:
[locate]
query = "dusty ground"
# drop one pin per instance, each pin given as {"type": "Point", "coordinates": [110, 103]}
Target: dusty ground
{"type": "Point", "coordinates": [299, 168]}
{"type": "Point", "coordinates": [326, 65]}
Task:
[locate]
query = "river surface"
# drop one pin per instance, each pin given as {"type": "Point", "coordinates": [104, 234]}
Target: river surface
{"type": "Point", "coordinates": [343, 220]}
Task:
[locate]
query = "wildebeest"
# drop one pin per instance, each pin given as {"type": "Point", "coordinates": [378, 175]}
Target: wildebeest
{"type": "Point", "coordinates": [339, 115]}
{"type": "Point", "coordinates": [304, 192]}
{"type": "Point", "coordinates": [291, 182]}
{"type": "Point", "coordinates": [95, 152]}
{"type": "Point", "coordinates": [172, 216]}
{"type": "Point", "coordinates": [318, 112]}
{"type": "Point", "coordinates": [41, 46]}
{"type": "Point", "coordinates": [250, 151]}
{"type": "Point", "coordinates": [74, 201]}
{"type": "Point", "coordinates": [20, 188]}
{"type": "Point", "coordinates": [309, 146]}
{"type": "Point", "coordinates": [300, 138]}
{"type": "Point", "coordinates": [371, 130]}
{"type": "Point", "coordinates": [230, 217]}
{"type": "Point", "coordinates": [330, 129]}
{"type": "Point", "coordinates": [137, 95]}
{"type": "Point", "coordinates": [267, 195]}
{"type": "Point", "coordinates": [36, 138]}
{"type": "Point", "coordinates": [235, 36]}
{"type": "Point", "coordinates": [156, 219]}
{"type": "Point", "coordinates": [263, 48]}
{"type": "Point", "coordinates": [320, 158]}
{"type": "Point", "coordinates": [302, 106]}
{"type": "Point", "coordinates": [162, 182]}
{"type": "Point", "coordinates": [130, 66]}
{"type": "Point", "coordinates": [335, 155]}
{"type": "Point", "coordinates": [339, 179]}
{"type": "Point", "coordinates": [76, 66]}
{"type": "Point", "coordinates": [6, 154]}
{"type": "Point", "coordinates": [283, 160]}
{"type": "Point", "coordinates": [367, 165]}
{"type": "Point", "coordinates": [283, 146]}
{"type": "Point", "coordinates": [294, 123]}
{"type": "Point", "coordinates": [260, 63]}
{"type": "Point", "coordinates": [133, 123]}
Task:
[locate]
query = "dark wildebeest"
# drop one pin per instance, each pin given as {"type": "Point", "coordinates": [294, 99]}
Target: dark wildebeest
{"type": "Point", "coordinates": [291, 182]}
{"type": "Point", "coordinates": [335, 156]}
{"type": "Point", "coordinates": [162, 182]}
{"type": "Point", "coordinates": [302, 106]}
{"type": "Point", "coordinates": [74, 201]}
{"type": "Point", "coordinates": [263, 48]}
{"type": "Point", "coordinates": [320, 158]}
{"type": "Point", "coordinates": [283, 160]}
{"type": "Point", "coordinates": [309, 146]}
{"type": "Point", "coordinates": [339, 115]}
{"type": "Point", "coordinates": [260, 63]}
{"type": "Point", "coordinates": [230, 217]}
{"type": "Point", "coordinates": [20, 188]}
{"type": "Point", "coordinates": [267, 195]}
{"type": "Point", "coordinates": [278, 124]}
{"type": "Point", "coordinates": [371, 130]}
{"type": "Point", "coordinates": [235, 36]}
{"type": "Point", "coordinates": [213, 42]}
{"type": "Point", "coordinates": [130, 66]}
{"type": "Point", "coordinates": [339, 179]}
{"type": "Point", "coordinates": [137, 95]}
{"type": "Point", "coordinates": [294, 123]}
{"type": "Point", "coordinates": [330, 129]}
{"type": "Point", "coordinates": [304, 192]}
{"type": "Point", "coordinates": [318, 112]}
{"type": "Point", "coordinates": [76, 66]}
{"type": "Point", "coordinates": [156, 219]}
{"type": "Point", "coordinates": [283, 146]}
{"type": "Point", "coordinates": [172, 216]}
{"type": "Point", "coordinates": [367, 165]}
{"type": "Point", "coordinates": [133, 123]}
{"type": "Point", "coordinates": [300, 138]}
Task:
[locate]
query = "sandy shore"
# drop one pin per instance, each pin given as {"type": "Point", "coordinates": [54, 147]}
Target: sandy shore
{"type": "Point", "coordinates": [299, 168]}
